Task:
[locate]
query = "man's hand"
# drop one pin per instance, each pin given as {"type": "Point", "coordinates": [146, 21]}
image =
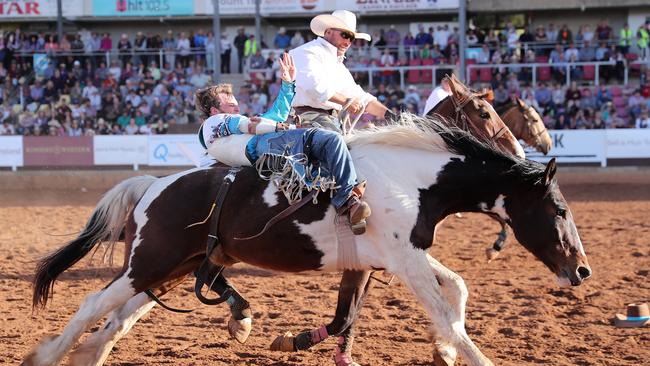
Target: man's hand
{"type": "Point", "coordinates": [252, 125]}
{"type": "Point", "coordinates": [355, 107]}
{"type": "Point", "coordinates": [281, 127]}
{"type": "Point", "coordinates": [287, 68]}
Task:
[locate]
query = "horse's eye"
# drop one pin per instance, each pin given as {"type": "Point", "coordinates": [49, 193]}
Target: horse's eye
{"type": "Point", "coordinates": [561, 212]}
{"type": "Point", "coordinates": [484, 115]}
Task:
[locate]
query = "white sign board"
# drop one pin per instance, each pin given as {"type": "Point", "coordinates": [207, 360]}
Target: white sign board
{"type": "Point", "coordinates": [11, 151]}
{"type": "Point", "coordinates": [396, 5]}
{"type": "Point", "coordinates": [574, 146]}
{"type": "Point", "coordinates": [628, 143]}
{"type": "Point", "coordinates": [174, 150]}
{"type": "Point", "coordinates": [120, 150]}
{"type": "Point", "coordinates": [40, 8]}
{"type": "Point", "coordinates": [267, 7]}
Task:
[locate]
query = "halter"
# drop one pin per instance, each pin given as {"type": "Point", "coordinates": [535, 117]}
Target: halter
{"type": "Point", "coordinates": [532, 126]}
{"type": "Point", "coordinates": [461, 117]}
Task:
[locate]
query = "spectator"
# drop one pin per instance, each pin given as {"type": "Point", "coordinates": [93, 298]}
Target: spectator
{"type": "Point", "coordinates": [297, 40]}
{"type": "Point", "coordinates": [587, 33]}
{"type": "Point", "coordinates": [643, 40]}
{"type": "Point", "coordinates": [564, 35]}
{"type": "Point", "coordinates": [183, 48]}
{"type": "Point", "coordinates": [282, 39]}
{"type": "Point", "coordinates": [200, 79]}
{"type": "Point", "coordinates": [625, 39]}
{"type": "Point", "coordinates": [226, 51]}
{"type": "Point", "coordinates": [602, 52]}
{"type": "Point", "coordinates": [484, 55]}
{"type": "Point", "coordinates": [124, 48]}
{"type": "Point", "coordinates": [106, 44]}
{"type": "Point", "coordinates": [643, 121]}
{"type": "Point", "coordinates": [257, 61]}
{"type": "Point", "coordinates": [423, 37]}
{"type": "Point", "coordinates": [634, 104]}
{"type": "Point", "coordinates": [393, 38]}
{"type": "Point", "coordinates": [571, 52]}
{"type": "Point", "coordinates": [240, 44]}
{"type": "Point", "coordinates": [7, 128]}
{"type": "Point", "coordinates": [604, 31]}
{"type": "Point", "coordinates": [544, 96]}
{"type": "Point", "coordinates": [161, 127]}
{"type": "Point", "coordinates": [587, 52]}
{"type": "Point", "coordinates": [131, 128]}
{"type": "Point", "coordinates": [552, 33]}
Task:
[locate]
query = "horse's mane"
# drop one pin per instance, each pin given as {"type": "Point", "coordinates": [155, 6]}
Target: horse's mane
{"type": "Point", "coordinates": [433, 134]}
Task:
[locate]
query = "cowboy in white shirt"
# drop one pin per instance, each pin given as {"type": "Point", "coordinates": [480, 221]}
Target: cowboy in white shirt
{"type": "Point", "coordinates": [323, 84]}
{"type": "Point", "coordinates": [437, 95]}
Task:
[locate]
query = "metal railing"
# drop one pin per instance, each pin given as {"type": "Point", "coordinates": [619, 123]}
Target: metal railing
{"type": "Point", "coordinates": [535, 69]}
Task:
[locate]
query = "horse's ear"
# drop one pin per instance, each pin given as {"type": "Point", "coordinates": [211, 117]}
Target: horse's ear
{"type": "Point", "coordinates": [521, 103]}
{"type": "Point", "coordinates": [549, 173]}
{"type": "Point", "coordinates": [453, 84]}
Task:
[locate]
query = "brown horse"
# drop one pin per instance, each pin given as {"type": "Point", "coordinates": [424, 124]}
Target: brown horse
{"type": "Point", "coordinates": [526, 124]}
{"type": "Point", "coordinates": [422, 172]}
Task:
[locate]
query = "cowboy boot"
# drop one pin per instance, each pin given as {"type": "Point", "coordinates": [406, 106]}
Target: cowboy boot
{"type": "Point", "coordinates": [357, 210]}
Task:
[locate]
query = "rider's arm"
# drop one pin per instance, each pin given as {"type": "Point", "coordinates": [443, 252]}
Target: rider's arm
{"type": "Point", "coordinates": [279, 112]}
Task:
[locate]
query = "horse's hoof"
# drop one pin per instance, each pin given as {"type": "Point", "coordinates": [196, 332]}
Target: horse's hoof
{"type": "Point", "coordinates": [442, 360]}
{"type": "Point", "coordinates": [491, 254]}
{"type": "Point", "coordinates": [283, 343]}
{"type": "Point", "coordinates": [240, 329]}
{"type": "Point", "coordinates": [344, 359]}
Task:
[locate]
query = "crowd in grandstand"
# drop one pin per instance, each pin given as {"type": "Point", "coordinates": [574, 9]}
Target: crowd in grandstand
{"type": "Point", "coordinates": [77, 93]}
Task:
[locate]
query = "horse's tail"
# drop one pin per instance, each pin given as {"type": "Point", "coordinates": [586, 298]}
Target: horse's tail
{"type": "Point", "coordinates": [105, 225]}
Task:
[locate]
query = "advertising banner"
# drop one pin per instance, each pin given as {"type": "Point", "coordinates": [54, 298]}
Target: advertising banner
{"type": "Point", "coordinates": [120, 150]}
{"type": "Point", "coordinates": [11, 151]}
{"type": "Point", "coordinates": [40, 8]}
{"type": "Point", "coordinates": [628, 143]}
{"type": "Point", "coordinates": [267, 7]}
{"type": "Point", "coordinates": [139, 8]}
{"type": "Point", "coordinates": [58, 151]}
{"type": "Point", "coordinates": [574, 146]}
{"type": "Point", "coordinates": [174, 150]}
{"type": "Point", "coordinates": [395, 5]}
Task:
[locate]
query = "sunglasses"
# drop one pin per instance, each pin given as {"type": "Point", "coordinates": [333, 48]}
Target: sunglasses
{"type": "Point", "coordinates": [346, 35]}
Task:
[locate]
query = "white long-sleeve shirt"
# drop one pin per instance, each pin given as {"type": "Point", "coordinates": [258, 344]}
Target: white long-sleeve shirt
{"type": "Point", "coordinates": [321, 74]}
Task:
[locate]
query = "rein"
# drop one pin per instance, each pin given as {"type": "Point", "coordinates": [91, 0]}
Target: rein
{"type": "Point", "coordinates": [461, 118]}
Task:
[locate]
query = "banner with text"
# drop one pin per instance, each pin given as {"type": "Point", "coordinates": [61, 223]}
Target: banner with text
{"type": "Point", "coordinates": [174, 150]}
{"type": "Point", "coordinates": [625, 143]}
{"type": "Point", "coordinates": [267, 7]}
{"type": "Point", "coordinates": [40, 8]}
{"type": "Point", "coordinates": [574, 146]}
{"type": "Point", "coordinates": [396, 5]}
{"type": "Point", "coordinates": [120, 150]}
{"type": "Point", "coordinates": [139, 8]}
{"type": "Point", "coordinates": [11, 151]}
{"type": "Point", "coordinates": [58, 151]}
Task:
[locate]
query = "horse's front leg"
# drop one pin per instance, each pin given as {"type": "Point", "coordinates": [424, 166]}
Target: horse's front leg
{"type": "Point", "coordinates": [433, 285]}
{"type": "Point", "coordinates": [352, 293]}
{"type": "Point", "coordinates": [493, 252]}
{"type": "Point", "coordinates": [241, 315]}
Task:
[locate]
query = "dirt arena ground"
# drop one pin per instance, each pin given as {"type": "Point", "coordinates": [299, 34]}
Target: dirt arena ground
{"type": "Point", "coordinates": [515, 313]}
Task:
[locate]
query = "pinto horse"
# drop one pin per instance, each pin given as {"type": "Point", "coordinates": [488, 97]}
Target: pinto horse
{"type": "Point", "coordinates": [422, 171]}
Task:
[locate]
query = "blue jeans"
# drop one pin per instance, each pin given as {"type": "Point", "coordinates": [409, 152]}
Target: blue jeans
{"type": "Point", "coordinates": [327, 147]}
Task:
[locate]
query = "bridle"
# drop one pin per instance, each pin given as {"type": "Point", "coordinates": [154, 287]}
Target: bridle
{"type": "Point", "coordinates": [535, 127]}
{"type": "Point", "coordinates": [461, 118]}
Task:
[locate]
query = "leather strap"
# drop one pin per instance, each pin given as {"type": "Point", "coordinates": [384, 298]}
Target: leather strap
{"type": "Point", "coordinates": [306, 108]}
{"type": "Point", "coordinates": [284, 214]}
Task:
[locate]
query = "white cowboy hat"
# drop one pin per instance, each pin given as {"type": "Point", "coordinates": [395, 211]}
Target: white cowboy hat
{"type": "Point", "coordinates": [339, 19]}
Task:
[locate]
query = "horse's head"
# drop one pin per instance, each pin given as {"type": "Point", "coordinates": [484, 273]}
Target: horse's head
{"type": "Point", "coordinates": [530, 125]}
{"type": "Point", "coordinates": [542, 222]}
{"type": "Point", "coordinates": [471, 112]}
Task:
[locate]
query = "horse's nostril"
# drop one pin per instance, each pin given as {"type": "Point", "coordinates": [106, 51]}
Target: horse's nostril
{"type": "Point", "coordinates": [584, 272]}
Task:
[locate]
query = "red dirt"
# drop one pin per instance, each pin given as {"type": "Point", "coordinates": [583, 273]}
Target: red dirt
{"type": "Point", "coordinates": [515, 313]}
